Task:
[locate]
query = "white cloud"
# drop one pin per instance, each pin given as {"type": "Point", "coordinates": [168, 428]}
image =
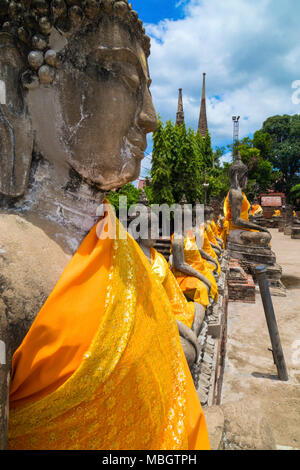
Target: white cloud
{"type": "Point", "coordinates": [248, 48]}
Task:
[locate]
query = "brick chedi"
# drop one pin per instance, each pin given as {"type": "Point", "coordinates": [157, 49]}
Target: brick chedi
{"type": "Point", "coordinates": [202, 125]}
{"type": "Point", "coordinates": [180, 113]}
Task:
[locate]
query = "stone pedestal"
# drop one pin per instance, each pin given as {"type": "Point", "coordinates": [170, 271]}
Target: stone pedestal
{"type": "Point", "coordinates": [289, 220]}
{"type": "Point", "coordinates": [241, 287]}
{"type": "Point", "coordinates": [252, 256]}
{"type": "Point", "coordinates": [287, 230]}
{"type": "Point", "coordinates": [209, 370]}
{"type": "Point", "coordinates": [295, 232]}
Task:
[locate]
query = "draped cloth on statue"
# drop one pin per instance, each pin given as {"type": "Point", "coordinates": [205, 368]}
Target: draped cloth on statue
{"type": "Point", "coordinates": [211, 235]}
{"type": "Point", "coordinates": [191, 286]}
{"type": "Point", "coordinates": [277, 213]}
{"type": "Point", "coordinates": [102, 367]}
{"type": "Point", "coordinates": [183, 310]}
{"type": "Point", "coordinates": [225, 231]}
{"type": "Point", "coordinates": [228, 224]}
{"type": "Point", "coordinates": [256, 209]}
{"type": "Point", "coordinates": [244, 213]}
{"type": "Point", "coordinates": [219, 226]}
{"type": "Point", "coordinates": [211, 252]}
{"type": "Point", "coordinates": [214, 227]}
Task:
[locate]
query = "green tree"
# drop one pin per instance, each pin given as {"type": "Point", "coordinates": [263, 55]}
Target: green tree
{"type": "Point", "coordinates": [130, 191]}
{"type": "Point", "coordinates": [295, 193]}
{"type": "Point", "coordinates": [188, 167]}
{"type": "Point", "coordinates": [160, 187]}
{"type": "Point", "coordinates": [261, 172]}
{"type": "Point", "coordinates": [218, 180]}
{"type": "Point", "coordinates": [282, 148]}
{"type": "Point", "coordinates": [180, 157]}
{"type": "Point", "coordinates": [177, 164]}
{"type": "Point", "coordinates": [208, 155]}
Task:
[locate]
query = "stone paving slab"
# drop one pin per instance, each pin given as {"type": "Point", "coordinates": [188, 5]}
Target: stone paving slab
{"type": "Point", "coordinates": [250, 375]}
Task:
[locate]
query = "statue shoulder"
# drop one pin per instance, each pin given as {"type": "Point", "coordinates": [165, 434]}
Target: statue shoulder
{"type": "Point", "coordinates": [235, 195]}
{"type": "Point", "coordinates": [30, 266]}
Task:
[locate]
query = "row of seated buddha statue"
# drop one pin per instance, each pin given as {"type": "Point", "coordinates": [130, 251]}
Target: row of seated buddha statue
{"type": "Point", "coordinates": [243, 238]}
{"type": "Point", "coordinates": [191, 276]}
{"type": "Point", "coordinates": [90, 355]}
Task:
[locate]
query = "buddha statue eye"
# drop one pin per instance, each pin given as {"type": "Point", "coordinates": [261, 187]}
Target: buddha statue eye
{"type": "Point", "coordinates": [132, 80]}
{"type": "Point", "coordinates": [2, 92]}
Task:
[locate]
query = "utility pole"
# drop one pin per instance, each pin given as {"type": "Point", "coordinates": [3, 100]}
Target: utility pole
{"type": "Point", "coordinates": [206, 186]}
{"type": "Point", "coordinates": [278, 356]}
{"type": "Point", "coordinates": [236, 131]}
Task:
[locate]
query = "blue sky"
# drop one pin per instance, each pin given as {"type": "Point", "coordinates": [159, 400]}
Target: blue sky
{"type": "Point", "coordinates": [250, 50]}
{"type": "Point", "coordinates": [153, 11]}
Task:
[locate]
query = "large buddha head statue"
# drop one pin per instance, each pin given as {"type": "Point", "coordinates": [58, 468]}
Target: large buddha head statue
{"type": "Point", "coordinates": [238, 173]}
{"type": "Point", "coordinates": [74, 91]}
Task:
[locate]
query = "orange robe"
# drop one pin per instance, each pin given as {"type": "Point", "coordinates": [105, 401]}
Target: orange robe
{"type": "Point", "coordinates": [214, 227]}
{"type": "Point", "coordinates": [211, 234]}
{"type": "Point", "coordinates": [191, 286]}
{"type": "Point", "coordinates": [102, 367]}
{"type": "Point", "coordinates": [228, 217]}
{"type": "Point", "coordinates": [211, 252]}
{"type": "Point", "coordinates": [256, 209]}
{"type": "Point", "coordinates": [183, 310]}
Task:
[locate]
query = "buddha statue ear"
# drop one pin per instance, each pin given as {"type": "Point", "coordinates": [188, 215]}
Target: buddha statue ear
{"type": "Point", "coordinates": [16, 135]}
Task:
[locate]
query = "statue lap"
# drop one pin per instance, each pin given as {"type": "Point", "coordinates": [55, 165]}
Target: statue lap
{"type": "Point", "coordinates": [247, 237]}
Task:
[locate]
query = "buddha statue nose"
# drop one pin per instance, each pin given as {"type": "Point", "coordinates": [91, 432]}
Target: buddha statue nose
{"type": "Point", "coordinates": [147, 119]}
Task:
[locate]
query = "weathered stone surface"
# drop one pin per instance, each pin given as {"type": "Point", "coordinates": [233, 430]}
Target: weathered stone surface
{"type": "Point", "coordinates": [203, 396]}
{"type": "Point", "coordinates": [26, 280]}
{"type": "Point", "coordinates": [16, 133]}
{"type": "Point", "coordinates": [246, 428]}
{"type": "Point", "coordinates": [215, 426]}
{"type": "Point", "coordinates": [258, 255]}
{"type": "Point", "coordinates": [241, 287]}
{"type": "Point", "coordinates": [250, 374]}
{"type": "Point", "coordinates": [295, 232]}
{"type": "Point", "coordinates": [27, 276]}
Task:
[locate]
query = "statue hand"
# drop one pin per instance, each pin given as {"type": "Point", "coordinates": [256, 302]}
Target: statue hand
{"type": "Point", "coordinates": [190, 336]}
{"type": "Point", "coordinates": [199, 318]}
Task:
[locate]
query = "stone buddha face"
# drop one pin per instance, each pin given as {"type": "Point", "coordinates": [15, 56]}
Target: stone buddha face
{"type": "Point", "coordinates": [92, 120]}
{"type": "Point", "coordinates": [238, 173]}
{"type": "Point", "coordinates": [243, 181]}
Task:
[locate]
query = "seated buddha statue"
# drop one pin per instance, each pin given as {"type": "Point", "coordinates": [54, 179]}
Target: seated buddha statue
{"type": "Point", "coordinates": [296, 219]}
{"type": "Point", "coordinates": [215, 242]}
{"type": "Point", "coordinates": [189, 267]}
{"type": "Point", "coordinates": [256, 209]}
{"type": "Point", "coordinates": [189, 315]}
{"type": "Point", "coordinates": [236, 210]}
{"type": "Point", "coordinates": [215, 228]}
{"type": "Point", "coordinates": [208, 252]}
{"type": "Point", "coordinates": [86, 331]}
{"type": "Point", "coordinates": [205, 248]}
